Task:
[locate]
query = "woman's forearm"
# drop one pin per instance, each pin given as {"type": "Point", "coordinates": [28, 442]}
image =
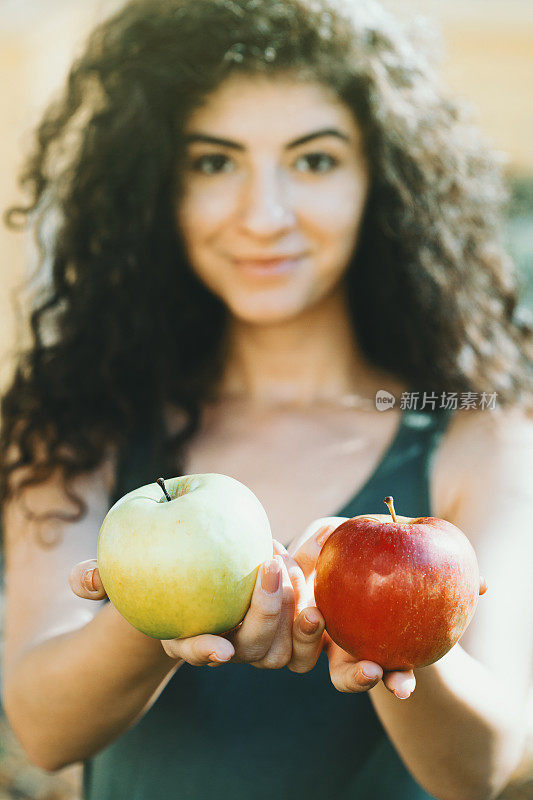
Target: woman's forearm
{"type": "Point", "coordinates": [460, 733]}
{"type": "Point", "coordinates": [71, 695]}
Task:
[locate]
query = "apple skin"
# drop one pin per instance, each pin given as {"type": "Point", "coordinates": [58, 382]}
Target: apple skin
{"type": "Point", "coordinates": [187, 566]}
{"type": "Point", "coordinates": [400, 593]}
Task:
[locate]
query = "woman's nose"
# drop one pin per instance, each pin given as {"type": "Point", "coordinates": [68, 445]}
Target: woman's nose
{"type": "Point", "coordinates": [266, 208]}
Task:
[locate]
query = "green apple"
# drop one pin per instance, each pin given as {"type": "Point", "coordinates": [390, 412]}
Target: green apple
{"type": "Point", "coordinates": [180, 558]}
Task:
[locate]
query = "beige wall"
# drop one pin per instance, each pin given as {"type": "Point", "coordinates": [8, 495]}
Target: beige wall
{"type": "Point", "coordinates": [488, 60]}
{"type": "Point", "coordinates": [494, 69]}
{"type": "Point", "coordinates": [489, 46]}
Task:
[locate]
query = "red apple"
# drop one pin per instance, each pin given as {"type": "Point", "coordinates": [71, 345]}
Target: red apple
{"type": "Point", "coordinates": [399, 591]}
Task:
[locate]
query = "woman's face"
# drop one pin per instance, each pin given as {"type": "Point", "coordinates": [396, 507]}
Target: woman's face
{"type": "Point", "coordinates": [274, 187]}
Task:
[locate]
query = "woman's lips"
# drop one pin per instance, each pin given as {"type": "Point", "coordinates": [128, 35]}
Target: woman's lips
{"type": "Point", "coordinates": [267, 267]}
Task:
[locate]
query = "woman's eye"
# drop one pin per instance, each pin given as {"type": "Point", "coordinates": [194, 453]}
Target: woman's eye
{"type": "Point", "coordinates": [316, 162]}
{"type": "Point", "coordinates": [212, 164]}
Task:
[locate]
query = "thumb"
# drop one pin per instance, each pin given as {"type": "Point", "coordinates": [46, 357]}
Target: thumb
{"type": "Point", "coordinates": [306, 550]}
{"type": "Point", "coordinates": [85, 580]}
{"type": "Point", "coordinates": [204, 649]}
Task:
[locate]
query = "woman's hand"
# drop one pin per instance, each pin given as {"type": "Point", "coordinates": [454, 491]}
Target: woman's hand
{"type": "Point", "coordinates": [264, 638]}
{"type": "Point", "coordinates": [347, 674]}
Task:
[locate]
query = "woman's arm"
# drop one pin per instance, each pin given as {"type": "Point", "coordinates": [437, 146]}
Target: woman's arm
{"type": "Point", "coordinates": [65, 659]}
{"type": "Point", "coordinates": [462, 731]}
{"type": "Point", "coordinates": [77, 675]}
{"type": "Point", "coordinates": [54, 692]}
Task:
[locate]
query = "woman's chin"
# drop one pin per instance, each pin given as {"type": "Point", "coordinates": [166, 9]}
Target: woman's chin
{"type": "Point", "coordinates": [265, 314]}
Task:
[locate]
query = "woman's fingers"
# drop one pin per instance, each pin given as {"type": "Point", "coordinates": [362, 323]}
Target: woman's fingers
{"type": "Point", "coordinates": [311, 530]}
{"type": "Point", "coordinates": [85, 580]}
{"type": "Point", "coordinates": [253, 638]}
{"type": "Point", "coordinates": [200, 650]}
{"type": "Point", "coordinates": [308, 629]}
{"type": "Point", "coordinates": [303, 596]}
{"type": "Point", "coordinates": [400, 683]}
{"type": "Point", "coordinates": [348, 675]}
{"type": "Point", "coordinates": [280, 650]}
{"type": "Point", "coordinates": [307, 554]}
{"type": "Point", "coordinates": [306, 549]}
{"type": "Point", "coordinates": [278, 548]}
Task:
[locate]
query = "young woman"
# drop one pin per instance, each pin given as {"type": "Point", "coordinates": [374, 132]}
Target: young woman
{"type": "Point", "coordinates": [266, 215]}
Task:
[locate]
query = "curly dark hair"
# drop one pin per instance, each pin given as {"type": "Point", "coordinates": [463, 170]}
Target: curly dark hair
{"type": "Point", "coordinates": [122, 303]}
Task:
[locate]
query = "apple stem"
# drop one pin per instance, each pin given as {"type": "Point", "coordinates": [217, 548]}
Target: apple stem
{"type": "Point", "coordinates": [390, 503]}
{"type": "Point", "coordinates": [161, 482]}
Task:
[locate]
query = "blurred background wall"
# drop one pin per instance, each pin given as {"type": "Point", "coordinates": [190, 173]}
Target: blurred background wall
{"type": "Point", "coordinates": [487, 59]}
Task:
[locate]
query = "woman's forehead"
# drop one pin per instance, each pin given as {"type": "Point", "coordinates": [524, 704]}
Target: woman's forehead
{"type": "Point", "coordinates": [245, 107]}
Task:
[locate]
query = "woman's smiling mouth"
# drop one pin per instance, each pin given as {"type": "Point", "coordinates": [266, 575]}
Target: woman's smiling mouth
{"type": "Point", "coordinates": [268, 266]}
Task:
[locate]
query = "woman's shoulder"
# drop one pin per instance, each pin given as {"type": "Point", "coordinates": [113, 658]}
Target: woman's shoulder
{"type": "Point", "coordinates": [489, 428]}
{"type": "Point", "coordinates": [482, 450]}
{"type": "Point", "coordinates": [486, 463]}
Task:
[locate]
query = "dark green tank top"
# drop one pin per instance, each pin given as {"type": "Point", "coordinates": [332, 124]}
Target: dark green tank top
{"type": "Point", "coordinates": [242, 733]}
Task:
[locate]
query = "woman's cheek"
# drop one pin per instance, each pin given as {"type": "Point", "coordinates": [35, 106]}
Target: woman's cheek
{"type": "Point", "coordinates": [205, 207]}
{"type": "Point", "coordinates": [336, 207]}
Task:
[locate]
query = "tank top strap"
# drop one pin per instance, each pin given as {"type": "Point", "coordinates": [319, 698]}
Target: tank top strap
{"type": "Point", "coordinates": [426, 426]}
{"type": "Point", "coordinates": [405, 470]}
{"type": "Point", "coordinates": [436, 424]}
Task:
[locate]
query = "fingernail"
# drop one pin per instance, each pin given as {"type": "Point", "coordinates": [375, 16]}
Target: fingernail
{"type": "Point", "coordinates": [312, 624]}
{"type": "Point", "coordinates": [88, 580]}
{"type": "Point", "coordinates": [219, 658]}
{"type": "Point", "coordinates": [370, 673]}
{"type": "Point", "coordinates": [270, 576]}
{"type": "Point", "coordinates": [403, 694]}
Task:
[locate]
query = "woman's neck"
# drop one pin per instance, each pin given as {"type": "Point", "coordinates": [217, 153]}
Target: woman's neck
{"type": "Point", "coordinates": [310, 359]}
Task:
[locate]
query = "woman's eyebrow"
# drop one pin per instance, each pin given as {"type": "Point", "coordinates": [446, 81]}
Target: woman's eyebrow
{"type": "Point", "coordinates": [216, 140]}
